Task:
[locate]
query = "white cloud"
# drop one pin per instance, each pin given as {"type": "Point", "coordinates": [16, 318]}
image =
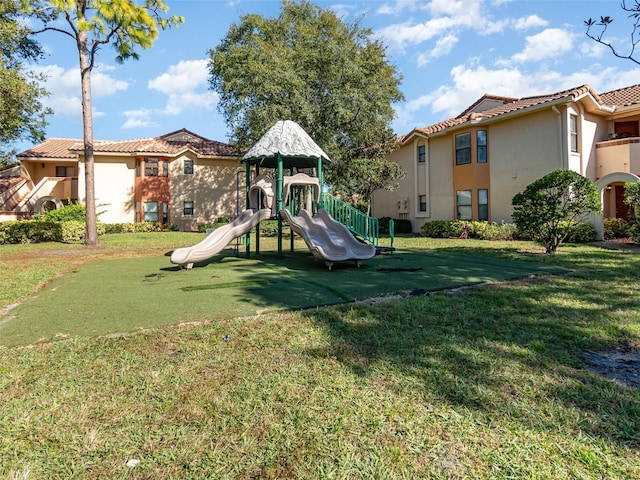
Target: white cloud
{"type": "Point", "coordinates": [549, 43]}
{"type": "Point", "coordinates": [185, 76]}
{"type": "Point", "coordinates": [399, 6]}
{"type": "Point", "coordinates": [532, 21]}
{"type": "Point", "coordinates": [443, 47]}
{"type": "Point", "coordinates": [63, 85]}
{"type": "Point", "coordinates": [138, 118]}
{"type": "Point", "coordinates": [185, 84]}
{"type": "Point", "coordinates": [446, 17]}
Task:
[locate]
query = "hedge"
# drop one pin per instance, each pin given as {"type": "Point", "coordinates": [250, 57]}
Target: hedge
{"type": "Point", "coordinates": [481, 230]}
{"type": "Point", "coordinates": [35, 231]}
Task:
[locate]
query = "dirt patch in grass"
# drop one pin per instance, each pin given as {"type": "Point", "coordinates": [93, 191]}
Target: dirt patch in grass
{"type": "Point", "coordinates": [621, 365]}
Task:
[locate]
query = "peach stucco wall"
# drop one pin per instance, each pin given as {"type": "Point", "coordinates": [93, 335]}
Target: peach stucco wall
{"type": "Point", "coordinates": [211, 188]}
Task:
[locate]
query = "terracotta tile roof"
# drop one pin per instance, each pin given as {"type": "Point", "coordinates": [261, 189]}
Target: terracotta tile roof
{"type": "Point", "coordinates": [169, 144]}
{"type": "Point", "coordinates": [507, 107]}
{"type": "Point", "coordinates": [622, 97]}
{"type": "Point", "coordinates": [52, 148]}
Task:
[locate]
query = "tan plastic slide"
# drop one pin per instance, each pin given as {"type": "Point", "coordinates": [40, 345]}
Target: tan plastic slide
{"type": "Point", "coordinates": [327, 239]}
{"type": "Point", "coordinates": [219, 238]}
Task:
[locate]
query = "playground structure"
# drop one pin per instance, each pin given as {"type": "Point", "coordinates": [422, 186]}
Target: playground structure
{"type": "Point", "coordinates": [294, 198]}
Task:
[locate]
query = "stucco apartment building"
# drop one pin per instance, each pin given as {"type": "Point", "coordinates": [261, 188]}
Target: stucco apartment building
{"type": "Point", "coordinates": [179, 178]}
{"type": "Point", "coordinates": [471, 166]}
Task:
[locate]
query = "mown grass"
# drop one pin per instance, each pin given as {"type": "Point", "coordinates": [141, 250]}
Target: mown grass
{"type": "Point", "coordinates": [485, 382]}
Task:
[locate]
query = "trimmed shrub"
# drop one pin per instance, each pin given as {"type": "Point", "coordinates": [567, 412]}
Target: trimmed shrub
{"type": "Point", "coordinates": [28, 231]}
{"type": "Point", "coordinates": [582, 233]}
{"type": "Point", "coordinates": [71, 212]}
{"type": "Point", "coordinates": [35, 231]}
{"type": "Point", "coordinates": [437, 229]}
{"type": "Point", "coordinates": [615, 228]}
{"type": "Point", "coordinates": [402, 226]}
{"type": "Point", "coordinates": [133, 227]}
{"type": "Point", "coordinates": [481, 230]}
{"type": "Point", "coordinates": [383, 224]}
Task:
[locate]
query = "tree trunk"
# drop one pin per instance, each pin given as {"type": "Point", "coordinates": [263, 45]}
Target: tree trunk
{"type": "Point", "coordinates": [91, 230]}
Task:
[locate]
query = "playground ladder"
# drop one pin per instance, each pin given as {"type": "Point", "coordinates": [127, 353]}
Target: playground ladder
{"type": "Point", "coordinates": [359, 223]}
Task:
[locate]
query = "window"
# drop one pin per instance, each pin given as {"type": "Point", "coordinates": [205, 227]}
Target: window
{"type": "Point", "coordinates": [65, 171]}
{"type": "Point", "coordinates": [481, 146]}
{"type": "Point", "coordinates": [463, 205]}
{"type": "Point", "coordinates": [137, 167]}
{"type": "Point", "coordinates": [422, 203]}
{"type": "Point", "coordinates": [165, 213]}
{"type": "Point", "coordinates": [573, 130]}
{"type": "Point", "coordinates": [188, 167]}
{"type": "Point", "coordinates": [165, 168]}
{"type": "Point", "coordinates": [463, 148]}
{"type": "Point", "coordinates": [187, 208]}
{"type": "Point", "coordinates": [151, 167]}
{"type": "Point", "coordinates": [483, 204]}
{"type": "Point", "coordinates": [422, 154]}
{"type": "Point", "coordinates": [150, 211]}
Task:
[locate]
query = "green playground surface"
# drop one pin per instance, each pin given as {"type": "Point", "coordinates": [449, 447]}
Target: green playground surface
{"type": "Point", "coordinates": [119, 296]}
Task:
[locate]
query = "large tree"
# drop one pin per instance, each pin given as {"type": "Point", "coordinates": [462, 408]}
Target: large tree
{"type": "Point", "coordinates": [307, 65]}
{"type": "Point", "coordinates": [597, 29]}
{"type": "Point", "coordinates": [22, 114]}
{"type": "Point", "coordinates": [92, 24]}
{"type": "Point", "coordinates": [552, 206]}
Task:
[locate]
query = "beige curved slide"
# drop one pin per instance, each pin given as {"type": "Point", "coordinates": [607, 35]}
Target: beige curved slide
{"type": "Point", "coordinates": [213, 243]}
{"type": "Point", "coordinates": [327, 239]}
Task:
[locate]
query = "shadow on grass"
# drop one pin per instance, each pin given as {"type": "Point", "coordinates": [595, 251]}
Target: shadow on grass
{"type": "Point", "coordinates": [515, 350]}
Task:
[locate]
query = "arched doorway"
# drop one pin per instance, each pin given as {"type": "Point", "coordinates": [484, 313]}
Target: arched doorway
{"type": "Point", "coordinates": [611, 188]}
{"type": "Point", "coordinates": [48, 203]}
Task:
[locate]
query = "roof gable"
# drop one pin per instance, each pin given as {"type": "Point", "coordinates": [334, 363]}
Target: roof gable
{"type": "Point", "coordinates": [506, 105]}
{"type": "Point", "coordinates": [170, 145]}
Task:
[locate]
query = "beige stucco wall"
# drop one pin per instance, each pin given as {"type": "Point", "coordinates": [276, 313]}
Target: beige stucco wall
{"type": "Point", "coordinates": [211, 188]}
{"type": "Point", "coordinates": [522, 150]}
{"type": "Point", "coordinates": [434, 178]}
{"type": "Point", "coordinates": [114, 188]}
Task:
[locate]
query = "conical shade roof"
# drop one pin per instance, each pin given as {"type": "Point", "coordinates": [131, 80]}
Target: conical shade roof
{"type": "Point", "coordinates": [294, 145]}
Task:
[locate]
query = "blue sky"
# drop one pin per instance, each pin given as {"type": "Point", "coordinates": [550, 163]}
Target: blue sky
{"type": "Point", "coordinates": [449, 52]}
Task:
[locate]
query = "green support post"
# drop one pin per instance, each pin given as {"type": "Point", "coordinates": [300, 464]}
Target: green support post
{"type": "Point", "coordinates": [247, 183]}
{"type": "Point", "coordinates": [279, 183]}
{"type": "Point", "coordinates": [320, 181]}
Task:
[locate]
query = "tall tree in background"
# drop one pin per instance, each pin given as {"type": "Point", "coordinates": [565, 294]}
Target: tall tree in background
{"type": "Point", "coordinates": [22, 115]}
{"type": "Point", "coordinates": [308, 66]}
{"type": "Point", "coordinates": [91, 24]}
{"type": "Point", "coordinates": [601, 26]}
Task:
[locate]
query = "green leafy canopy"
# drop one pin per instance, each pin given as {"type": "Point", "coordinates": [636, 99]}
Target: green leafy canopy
{"type": "Point", "coordinates": [308, 66]}
{"type": "Point", "coordinates": [550, 207]}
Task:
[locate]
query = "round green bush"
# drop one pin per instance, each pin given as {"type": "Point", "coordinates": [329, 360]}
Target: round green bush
{"type": "Point", "coordinates": [615, 228]}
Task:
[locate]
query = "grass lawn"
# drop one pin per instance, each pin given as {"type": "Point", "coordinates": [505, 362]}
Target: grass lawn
{"type": "Point", "coordinates": [121, 295]}
{"type": "Point", "coordinates": [485, 382]}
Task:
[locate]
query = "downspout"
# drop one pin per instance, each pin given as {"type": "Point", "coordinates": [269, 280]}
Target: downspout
{"type": "Point", "coordinates": [562, 142]}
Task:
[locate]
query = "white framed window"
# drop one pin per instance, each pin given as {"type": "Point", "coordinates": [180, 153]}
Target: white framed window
{"type": "Point", "coordinates": [483, 204]}
{"type": "Point", "coordinates": [187, 208]}
{"type": "Point", "coordinates": [422, 154]}
{"type": "Point", "coordinates": [463, 148]}
{"type": "Point", "coordinates": [573, 131]}
{"type": "Point", "coordinates": [463, 205]}
{"type": "Point", "coordinates": [422, 203]}
{"type": "Point", "coordinates": [150, 211]}
{"type": "Point", "coordinates": [62, 171]}
{"type": "Point", "coordinates": [188, 167]}
{"type": "Point", "coordinates": [481, 146]}
{"type": "Point", "coordinates": [150, 167]}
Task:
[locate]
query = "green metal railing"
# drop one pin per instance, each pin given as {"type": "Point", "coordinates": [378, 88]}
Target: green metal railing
{"type": "Point", "coordinates": [359, 223]}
